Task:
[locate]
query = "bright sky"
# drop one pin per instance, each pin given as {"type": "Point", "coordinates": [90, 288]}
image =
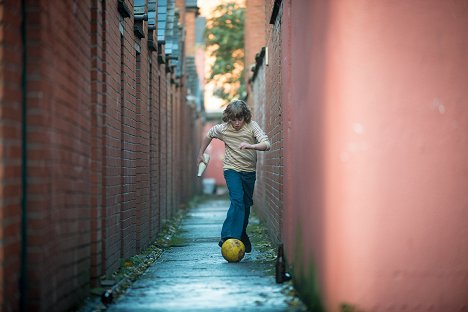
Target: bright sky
{"type": "Point", "coordinates": [212, 103]}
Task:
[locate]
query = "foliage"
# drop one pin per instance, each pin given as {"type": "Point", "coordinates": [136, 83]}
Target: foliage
{"type": "Point", "coordinates": [225, 42]}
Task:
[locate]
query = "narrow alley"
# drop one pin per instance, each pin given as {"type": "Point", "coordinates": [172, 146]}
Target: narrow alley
{"type": "Point", "coordinates": [191, 275]}
{"type": "Point", "coordinates": [348, 135]}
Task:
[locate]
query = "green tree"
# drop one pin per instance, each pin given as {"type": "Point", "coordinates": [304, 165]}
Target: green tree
{"type": "Point", "coordinates": [225, 42]}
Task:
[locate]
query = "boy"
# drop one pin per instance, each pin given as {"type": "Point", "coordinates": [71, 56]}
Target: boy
{"type": "Point", "coordinates": [242, 138]}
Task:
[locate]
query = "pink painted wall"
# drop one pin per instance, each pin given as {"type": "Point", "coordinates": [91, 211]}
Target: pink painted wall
{"type": "Point", "coordinates": [376, 152]}
{"type": "Point", "coordinates": [216, 152]}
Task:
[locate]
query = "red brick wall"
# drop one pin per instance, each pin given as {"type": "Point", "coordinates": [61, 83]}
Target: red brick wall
{"type": "Point", "coordinates": [265, 98]}
{"type": "Point", "coordinates": [111, 139]}
{"type": "Point", "coordinates": [10, 153]}
{"type": "Point", "coordinates": [142, 155]}
{"type": "Point", "coordinates": [169, 147]}
{"type": "Point", "coordinates": [97, 149]}
{"type": "Point", "coordinates": [59, 153]}
{"type": "Point", "coordinates": [254, 31]}
{"type": "Point", "coordinates": [106, 167]}
{"type": "Point", "coordinates": [216, 152]}
{"type": "Point", "coordinates": [163, 144]}
{"type": "Point", "coordinates": [190, 17]}
{"type": "Point", "coordinates": [154, 148]}
{"type": "Point", "coordinates": [128, 141]}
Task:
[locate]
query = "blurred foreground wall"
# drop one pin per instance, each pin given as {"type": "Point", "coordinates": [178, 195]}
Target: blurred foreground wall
{"type": "Point", "coordinates": [374, 109]}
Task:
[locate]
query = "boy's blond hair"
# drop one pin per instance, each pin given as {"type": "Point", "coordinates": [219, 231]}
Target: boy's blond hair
{"type": "Point", "coordinates": [237, 109]}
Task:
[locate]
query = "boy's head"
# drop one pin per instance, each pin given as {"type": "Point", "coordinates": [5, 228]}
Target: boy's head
{"type": "Point", "coordinates": [236, 110]}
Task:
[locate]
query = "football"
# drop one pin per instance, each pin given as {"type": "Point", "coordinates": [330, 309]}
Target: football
{"type": "Point", "coordinates": [233, 250]}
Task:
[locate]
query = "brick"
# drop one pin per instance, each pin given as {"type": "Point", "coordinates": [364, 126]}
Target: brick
{"type": "Point", "coordinates": [88, 125]}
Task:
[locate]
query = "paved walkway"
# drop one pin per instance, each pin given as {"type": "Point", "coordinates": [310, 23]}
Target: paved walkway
{"type": "Point", "coordinates": [192, 275]}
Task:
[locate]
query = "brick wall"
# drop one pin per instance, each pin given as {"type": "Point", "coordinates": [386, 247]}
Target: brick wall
{"type": "Point", "coordinates": [154, 152]}
{"type": "Point", "coordinates": [59, 153]}
{"type": "Point", "coordinates": [214, 170]}
{"type": "Point", "coordinates": [97, 149]}
{"type": "Point", "coordinates": [111, 139]}
{"type": "Point", "coordinates": [163, 145]}
{"type": "Point", "coordinates": [10, 153]}
{"type": "Point", "coordinates": [254, 31]}
{"type": "Point", "coordinates": [265, 98]}
{"type": "Point", "coordinates": [106, 123]}
{"type": "Point", "coordinates": [190, 17]}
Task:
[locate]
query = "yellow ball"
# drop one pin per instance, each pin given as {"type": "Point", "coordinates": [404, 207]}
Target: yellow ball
{"type": "Point", "coordinates": [233, 250]}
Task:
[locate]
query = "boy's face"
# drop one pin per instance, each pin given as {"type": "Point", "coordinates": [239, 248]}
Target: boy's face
{"type": "Point", "coordinates": [237, 123]}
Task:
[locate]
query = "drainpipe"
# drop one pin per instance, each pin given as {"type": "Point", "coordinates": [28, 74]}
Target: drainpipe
{"type": "Point", "coordinates": [24, 174]}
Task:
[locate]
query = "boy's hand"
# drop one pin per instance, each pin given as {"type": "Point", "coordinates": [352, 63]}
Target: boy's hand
{"type": "Point", "coordinates": [245, 145]}
{"type": "Point", "coordinates": [201, 159]}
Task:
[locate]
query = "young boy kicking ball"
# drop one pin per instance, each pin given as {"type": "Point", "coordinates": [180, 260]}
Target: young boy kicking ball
{"type": "Point", "coordinates": [242, 138]}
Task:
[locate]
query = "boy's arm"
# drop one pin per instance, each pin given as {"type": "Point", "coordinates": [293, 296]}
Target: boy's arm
{"type": "Point", "coordinates": [262, 146]}
{"type": "Point", "coordinates": [260, 136]}
{"type": "Point", "coordinates": [205, 142]}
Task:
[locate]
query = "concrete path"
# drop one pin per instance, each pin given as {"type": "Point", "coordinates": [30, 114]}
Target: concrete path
{"type": "Point", "coordinates": [192, 275]}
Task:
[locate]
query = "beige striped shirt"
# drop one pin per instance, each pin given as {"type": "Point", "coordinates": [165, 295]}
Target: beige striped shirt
{"type": "Point", "coordinates": [234, 157]}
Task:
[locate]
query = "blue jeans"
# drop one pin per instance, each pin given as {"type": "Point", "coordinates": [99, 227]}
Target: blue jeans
{"type": "Point", "coordinates": [241, 188]}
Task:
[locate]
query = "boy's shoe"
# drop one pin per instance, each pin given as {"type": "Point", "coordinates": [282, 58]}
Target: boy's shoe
{"type": "Point", "coordinates": [247, 244]}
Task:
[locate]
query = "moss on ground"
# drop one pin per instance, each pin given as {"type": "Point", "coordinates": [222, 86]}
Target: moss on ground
{"type": "Point", "coordinates": [267, 253]}
{"type": "Point", "coordinates": [132, 268]}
